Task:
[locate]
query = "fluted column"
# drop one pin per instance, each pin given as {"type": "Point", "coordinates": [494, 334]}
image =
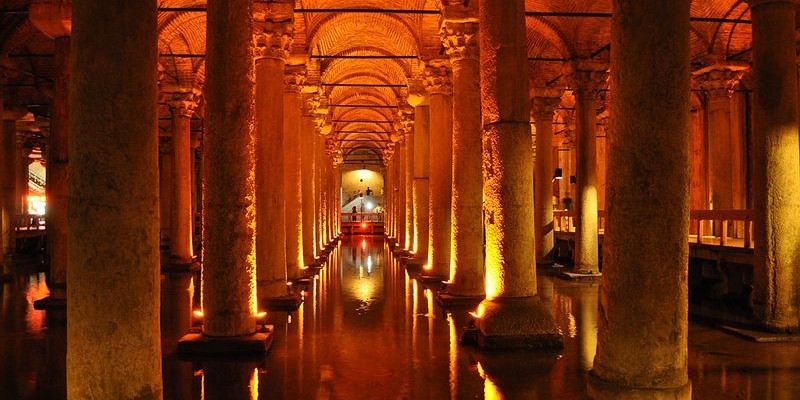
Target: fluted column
{"type": "Point", "coordinates": [511, 315]}
{"type": "Point", "coordinates": [307, 183]}
{"type": "Point", "coordinates": [460, 39]}
{"type": "Point", "coordinates": [182, 103]}
{"type": "Point", "coordinates": [642, 326]}
{"type": "Point", "coordinates": [588, 78]}
{"type": "Point", "coordinates": [421, 172]}
{"type": "Point", "coordinates": [273, 37]}
{"type": "Point", "coordinates": [717, 82]}
{"type": "Point", "coordinates": [228, 200]}
{"type": "Point", "coordinates": [776, 172]}
{"type": "Point", "coordinates": [294, 77]}
{"type": "Point", "coordinates": [438, 83]}
{"type": "Point", "coordinates": [114, 349]}
{"type": "Point", "coordinates": [544, 103]}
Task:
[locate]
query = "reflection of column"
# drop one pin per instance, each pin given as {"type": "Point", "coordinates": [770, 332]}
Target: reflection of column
{"type": "Point", "coordinates": [544, 103]}
{"type": "Point", "coordinates": [650, 151]}
{"type": "Point", "coordinates": [776, 174]}
{"type": "Point", "coordinates": [460, 39]}
{"type": "Point", "coordinates": [511, 315]}
{"type": "Point", "coordinates": [272, 41]}
{"type": "Point", "coordinates": [182, 104]}
{"type": "Point", "coordinates": [113, 351]}
{"type": "Point", "coordinates": [421, 174]}
{"type": "Point", "coordinates": [439, 87]}
{"type": "Point", "coordinates": [307, 151]}
{"type": "Point", "coordinates": [293, 79]}
{"type": "Point", "coordinates": [228, 270]}
{"type": "Point", "coordinates": [717, 82]}
{"type": "Point", "coordinates": [588, 78]}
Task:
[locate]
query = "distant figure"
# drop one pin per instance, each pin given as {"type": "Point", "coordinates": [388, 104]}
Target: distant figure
{"type": "Point", "coordinates": [567, 203]}
{"type": "Point", "coordinates": [355, 210]}
{"type": "Point", "coordinates": [369, 191]}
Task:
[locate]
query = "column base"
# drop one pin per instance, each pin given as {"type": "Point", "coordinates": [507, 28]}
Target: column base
{"type": "Point", "coordinates": [435, 282]}
{"type": "Point", "coordinates": [450, 301]}
{"type": "Point", "coordinates": [286, 303]}
{"type": "Point", "coordinates": [50, 303]}
{"type": "Point", "coordinates": [522, 323]}
{"type": "Point", "coordinates": [197, 344]}
{"type": "Point", "coordinates": [599, 389]}
{"type": "Point", "coordinates": [579, 276]}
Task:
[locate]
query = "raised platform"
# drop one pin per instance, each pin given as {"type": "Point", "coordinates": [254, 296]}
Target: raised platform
{"type": "Point", "coordinates": [576, 276]}
{"type": "Point", "coordinates": [760, 336]}
{"type": "Point", "coordinates": [451, 302]}
{"type": "Point", "coordinates": [286, 303]}
{"type": "Point", "coordinates": [49, 303]}
{"type": "Point", "coordinates": [197, 344]}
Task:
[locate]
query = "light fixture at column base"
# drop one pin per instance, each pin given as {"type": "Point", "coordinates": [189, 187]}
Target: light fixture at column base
{"type": "Point", "coordinates": [197, 344]}
{"type": "Point", "coordinates": [599, 389]}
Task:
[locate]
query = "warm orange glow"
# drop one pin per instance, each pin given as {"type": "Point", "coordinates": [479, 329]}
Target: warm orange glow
{"type": "Point", "coordinates": [254, 385]}
{"type": "Point", "coordinates": [479, 312]}
{"type": "Point", "coordinates": [363, 224]}
{"type": "Point", "coordinates": [37, 205]}
{"type": "Point", "coordinates": [426, 267]}
{"type": "Point", "coordinates": [364, 244]}
{"type": "Point", "coordinates": [198, 313]}
{"type": "Point", "coordinates": [261, 315]}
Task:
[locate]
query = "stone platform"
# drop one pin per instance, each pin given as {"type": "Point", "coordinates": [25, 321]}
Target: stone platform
{"type": "Point", "coordinates": [197, 344]}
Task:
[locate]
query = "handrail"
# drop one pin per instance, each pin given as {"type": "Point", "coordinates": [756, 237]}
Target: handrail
{"type": "Point", "coordinates": [362, 217]}
{"type": "Point", "coordinates": [29, 222]}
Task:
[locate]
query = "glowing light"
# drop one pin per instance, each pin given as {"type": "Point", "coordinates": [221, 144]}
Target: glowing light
{"type": "Point", "coordinates": [364, 244]}
{"type": "Point", "coordinates": [426, 267]}
{"type": "Point", "coordinates": [261, 315]}
{"type": "Point", "coordinates": [198, 313]}
{"type": "Point", "coordinates": [363, 224]}
{"type": "Point", "coordinates": [479, 313]}
{"type": "Point", "coordinates": [37, 205]}
{"type": "Point", "coordinates": [254, 385]}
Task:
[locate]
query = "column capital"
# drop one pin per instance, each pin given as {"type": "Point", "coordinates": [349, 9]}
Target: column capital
{"type": "Point", "coordinates": [406, 120]}
{"type": "Point", "coordinates": [460, 39]}
{"type": "Point", "coordinates": [51, 17]}
{"type": "Point", "coordinates": [388, 154]}
{"type": "Point", "coordinates": [182, 101]}
{"type": "Point", "coordinates": [438, 78]}
{"type": "Point", "coordinates": [294, 77]}
{"type": "Point", "coordinates": [273, 28]}
{"type": "Point", "coordinates": [718, 80]}
{"type": "Point", "coordinates": [586, 77]}
{"type": "Point", "coordinates": [544, 101]}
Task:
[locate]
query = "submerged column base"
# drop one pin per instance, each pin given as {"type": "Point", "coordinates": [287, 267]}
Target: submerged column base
{"type": "Point", "coordinates": [600, 389]}
{"type": "Point", "coordinates": [198, 344]}
{"type": "Point", "coordinates": [515, 323]}
{"type": "Point", "coordinates": [450, 301]}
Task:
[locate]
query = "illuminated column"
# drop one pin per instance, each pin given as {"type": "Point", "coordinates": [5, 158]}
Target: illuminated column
{"type": "Point", "coordinates": [545, 101]}
{"type": "Point", "coordinates": [272, 37]}
{"type": "Point", "coordinates": [337, 184]}
{"type": "Point", "coordinates": [511, 315]}
{"type": "Point", "coordinates": [22, 172]}
{"type": "Point", "coordinates": [588, 78]}
{"type": "Point", "coordinates": [460, 40]}
{"type": "Point", "coordinates": [307, 156]}
{"type": "Point", "coordinates": [182, 103]}
{"type": "Point", "coordinates": [400, 178]}
{"type": "Point", "coordinates": [322, 193]}
{"type": "Point", "coordinates": [228, 164]}
{"type": "Point", "coordinates": [114, 349]}
{"type": "Point", "coordinates": [388, 161]}
{"type": "Point", "coordinates": [419, 101]}
{"type": "Point", "coordinates": [776, 175]}
{"type": "Point", "coordinates": [602, 163]}
{"type": "Point", "coordinates": [407, 122]}
{"type": "Point", "coordinates": [293, 79]}
{"type": "Point", "coordinates": [439, 86]}
{"type": "Point", "coordinates": [717, 82]}
{"type": "Point", "coordinates": [642, 326]}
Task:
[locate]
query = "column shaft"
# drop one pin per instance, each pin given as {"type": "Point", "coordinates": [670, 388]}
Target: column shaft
{"type": "Point", "coordinates": [776, 175]}
{"type": "Point", "coordinates": [57, 179]}
{"type": "Point", "coordinates": [307, 152]}
{"type": "Point", "coordinates": [408, 187]}
{"type": "Point", "coordinates": [642, 328]}
{"type": "Point", "coordinates": [587, 259]}
{"type": "Point", "coordinates": [545, 170]}
{"type": "Point", "coordinates": [228, 201]}
{"type": "Point", "coordinates": [180, 227]}
{"type": "Point", "coordinates": [440, 183]}
{"type": "Point", "coordinates": [292, 175]}
{"type": "Point", "coordinates": [114, 349]}
{"type": "Point", "coordinates": [421, 179]}
{"type": "Point", "coordinates": [8, 184]}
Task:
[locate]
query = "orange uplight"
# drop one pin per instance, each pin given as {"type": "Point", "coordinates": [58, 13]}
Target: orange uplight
{"type": "Point", "coordinates": [426, 267]}
{"type": "Point", "coordinates": [363, 224]}
{"type": "Point", "coordinates": [261, 315]}
{"type": "Point", "coordinates": [198, 313]}
{"type": "Point", "coordinates": [364, 244]}
{"type": "Point", "coordinates": [478, 314]}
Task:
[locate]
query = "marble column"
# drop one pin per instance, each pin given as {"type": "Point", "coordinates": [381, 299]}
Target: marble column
{"type": "Point", "coordinates": [182, 103]}
{"type": "Point", "coordinates": [545, 101]}
{"type": "Point", "coordinates": [460, 39]}
{"type": "Point", "coordinates": [307, 183]}
{"type": "Point", "coordinates": [273, 38]}
{"type": "Point", "coordinates": [407, 121]}
{"type": "Point", "coordinates": [388, 160]}
{"type": "Point", "coordinates": [588, 78]}
{"type": "Point", "coordinates": [293, 79]}
{"type": "Point", "coordinates": [22, 174]}
{"type": "Point", "coordinates": [776, 172]}
{"type": "Point", "coordinates": [511, 315]}
{"type": "Point", "coordinates": [57, 179]}
{"type": "Point", "coordinates": [717, 82]}
{"type": "Point", "coordinates": [439, 85]}
{"type": "Point", "coordinates": [642, 329]}
{"type": "Point", "coordinates": [421, 172]}
{"type": "Point", "coordinates": [228, 200]}
{"type": "Point", "coordinates": [8, 182]}
{"type": "Point", "coordinates": [400, 174]}
{"type": "Point", "coordinates": [114, 349]}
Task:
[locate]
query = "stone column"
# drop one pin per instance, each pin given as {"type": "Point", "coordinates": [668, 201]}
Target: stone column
{"type": "Point", "coordinates": [307, 155]}
{"type": "Point", "coordinates": [438, 83]}
{"type": "Point", "coordinates": [642, 328]}
{"type": "Point", "coordinates": [407, 122]}
{"type": "Point", "coordinates": [388, 161]}
{"type": "Point", "coordinates": [23, 173]}
{"type": "Point", "coordinates": [114, 349]}
{"type": "Point", "coordinates": [421, 175]}
{"type": "Point", "coordinates": [400, 174]}
{"type": "Point", "coordinates": [182, 103]}
{"type": "Point", "coordinates": [717, 82]}
{"type": "Point", "coordinates": [228, 209]}
{"type": "Point", "coordinates": [511, 315]}
{"type": "Point", "coordinates": [545, 101]}
{"type": "Point", "coordinates": [776, 174]}
{"type": "Point", "coordinates": [273, 35]}
{"type": "Point", "coordinates": [165, 185]}
{"type": "Point", "coordinates": [460, 40]}
{"type": "Point", "coordinates": [8, 182]}
{"type": "Point", "coordinates": [293, 80]}
{"type": "Point", "coordinates": [588, 78]}
{"type": "Point", "coordinates": [321, 193]}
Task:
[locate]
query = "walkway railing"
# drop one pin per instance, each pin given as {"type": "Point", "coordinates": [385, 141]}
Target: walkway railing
{"type": "Point", "coordinates": [362, 217]}
{"type": "Point", "coordinates": [29, 222]}
{"type": "Point", "coordinates": [731, 228]}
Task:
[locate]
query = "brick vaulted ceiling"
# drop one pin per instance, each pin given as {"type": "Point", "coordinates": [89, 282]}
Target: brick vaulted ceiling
{"type": "Point", "coordinates": [393, 39]}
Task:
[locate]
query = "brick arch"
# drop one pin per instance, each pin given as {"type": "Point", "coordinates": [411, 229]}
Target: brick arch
{"type": "Point", "coordinates": [337, 33]}
{"type": "Point", "coordinates": [183, 33]}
